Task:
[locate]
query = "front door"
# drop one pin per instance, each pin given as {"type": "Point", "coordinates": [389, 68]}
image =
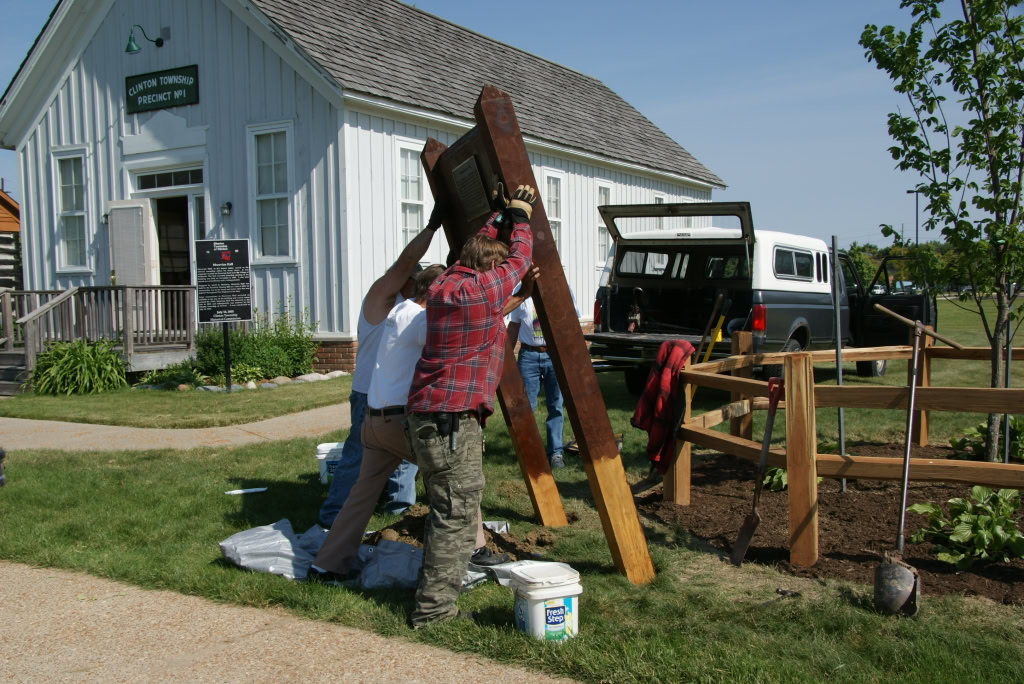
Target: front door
{"type": "Point", "coordinates": [173, 237]}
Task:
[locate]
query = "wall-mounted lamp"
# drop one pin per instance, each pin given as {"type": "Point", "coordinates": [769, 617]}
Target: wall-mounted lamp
{"type": "Point", "coordinates": [225, 209]}
{"type": "Point", "coordinates": [133, 47]}
{"type": "Point", "coordinates": [103, 219]}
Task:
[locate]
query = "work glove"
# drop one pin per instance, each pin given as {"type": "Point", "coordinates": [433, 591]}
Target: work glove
{"type": "Point", "coordinates": [439, 213]}
{"type": "Point", "coordinates": [521, 204]}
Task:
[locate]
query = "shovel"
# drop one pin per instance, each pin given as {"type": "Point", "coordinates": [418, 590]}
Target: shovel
{"type": "Point", "coordinates": [897, 583]}
{"type": "Point", "coordinates": [739, 549]}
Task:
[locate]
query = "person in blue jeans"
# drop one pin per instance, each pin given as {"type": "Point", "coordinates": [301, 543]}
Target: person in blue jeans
{"type": "Point", "coordinates": [535, 367]}
{"type": "Point", "coordinates": [399, 280]}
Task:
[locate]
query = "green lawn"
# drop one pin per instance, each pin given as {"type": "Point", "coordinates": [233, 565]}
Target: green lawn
{"type": "Point", "coordinates": [154, 519]}
{"type": "Point", "coordinates": [170, 409]}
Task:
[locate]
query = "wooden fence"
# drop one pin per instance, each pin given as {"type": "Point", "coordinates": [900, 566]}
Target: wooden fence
{"type": "Point", "coordinates": [800, 456]}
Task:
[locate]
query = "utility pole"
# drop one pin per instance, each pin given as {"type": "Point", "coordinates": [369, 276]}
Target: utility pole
{"type": "Point", "coordinates": [917, 215]}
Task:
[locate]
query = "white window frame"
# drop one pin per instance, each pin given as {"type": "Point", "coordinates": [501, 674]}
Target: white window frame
{"type": "Point", "coordinates": [602, 230]}
{"type": "Point", "coordinates": [286, 127]}
{"type": "Point", "coordinates": [57, 155]}
{"type": "Point", "coordinates": [659, 222]}
{"type": "Point", "coordinates": [405, 235]}
{"type": "Point", "coordinates": [556, 223]}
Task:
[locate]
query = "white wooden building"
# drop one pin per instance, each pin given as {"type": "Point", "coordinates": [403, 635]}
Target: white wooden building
{"type": "Point", "coordinates": [296, 124]}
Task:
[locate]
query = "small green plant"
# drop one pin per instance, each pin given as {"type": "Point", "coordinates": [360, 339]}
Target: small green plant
{"type": "Point", "coordinates": [241, 373]}
{"type": "Point", "coordinates": [181, 373]}
{"type": "Point", "coordinates": [282, 347]}
{"type": "Point", "coordinates": [971, 445]}
{"type": "Point", "coordinates": [984, 527]}
{"type": "Point", "coordinates": [775, 479]}
{"type": "Point", "coordinates": [78, 367]}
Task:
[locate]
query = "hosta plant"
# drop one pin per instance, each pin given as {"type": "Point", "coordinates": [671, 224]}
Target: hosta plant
{"type": "Point", "coordinates": [78, 367]}
{"type": "Point", "coordinates": [982, 527]}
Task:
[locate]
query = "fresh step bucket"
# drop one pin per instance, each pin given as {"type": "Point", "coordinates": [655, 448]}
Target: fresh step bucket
{"type": "Point", "coordinates": [547, 600]}
{"type": "Point", "coordinates": [328, 456]}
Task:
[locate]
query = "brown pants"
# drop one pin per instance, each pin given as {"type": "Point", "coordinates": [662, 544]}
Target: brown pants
{"type": "Point", "coordinates": [384, 448]}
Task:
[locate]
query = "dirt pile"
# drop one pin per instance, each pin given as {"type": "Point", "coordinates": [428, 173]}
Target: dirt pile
{"type": "Point", "coordinates": [409, 529]}
{"type": "Point", "coordinates": [854, 527]}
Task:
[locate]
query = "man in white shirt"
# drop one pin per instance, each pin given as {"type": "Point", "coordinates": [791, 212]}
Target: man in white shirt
{"type": "Point", "coordinates": [383, 438]}
{"type": "Point", "coordinates": [535, 367]}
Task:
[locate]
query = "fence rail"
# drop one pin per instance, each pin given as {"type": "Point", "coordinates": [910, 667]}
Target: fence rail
{"type": "Point", "coordinates": [138, 318]}
{"type": "Point", "coordinates": [800, 457]}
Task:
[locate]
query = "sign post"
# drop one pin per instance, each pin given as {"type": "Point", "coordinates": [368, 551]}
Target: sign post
{"type": "Point", "coordinates": [223, 287]}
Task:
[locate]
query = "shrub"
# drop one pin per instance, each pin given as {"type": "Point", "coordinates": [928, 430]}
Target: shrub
{"type": "Point", "coordinates": [79, 367]}
{"type": "Point", "coordinates": [284, 347]}
{"type": "Point", "coordinates": [181, 373]}
{"type": "Point", "coordinates": [971, 445]}
{"type": "Point", "coordinates": [983, 527]}
{"type": "Point", "coordinates": [241, 373]}
{"type": "Point", "coordinates": [272, 359]}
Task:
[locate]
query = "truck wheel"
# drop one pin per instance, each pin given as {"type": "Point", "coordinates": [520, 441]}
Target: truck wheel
{"type": "Point", "coordinates": [871, 369]}
{"type": "Point", "coordinates": [777, 370]}
{"type": "Point", "coordinates": [636, 378]}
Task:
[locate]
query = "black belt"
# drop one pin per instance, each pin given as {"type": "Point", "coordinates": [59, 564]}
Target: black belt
{"type": "Point", "coordinates": [389, 411]}
{"type": "Point", "coordinates": [540, 349]}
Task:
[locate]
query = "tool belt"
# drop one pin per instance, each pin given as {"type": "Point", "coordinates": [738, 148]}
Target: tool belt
{"type": "Point", "coordinates": [448, 423]}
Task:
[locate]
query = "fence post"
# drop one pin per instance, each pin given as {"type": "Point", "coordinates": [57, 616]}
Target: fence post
{"type": "Point", "coordinates": [677, 480]}
{"type": "Point", "coordinates": [31, 332]}
{"type": "Point", "coordinates": [128, 309]}
{"type": "Point", "coordinates": [190, 334]}
{"type": "Point", "coordinates": [919, 433]}
{"type": "Point", "coordinates": [8, 314]}
{"type": "Point", "coordinates": [801, 454]}
{"type": "Point", "coordinates": [742, 344]}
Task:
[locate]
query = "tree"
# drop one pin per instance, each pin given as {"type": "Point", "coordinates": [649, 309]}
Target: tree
{"type": "Point", "coordinates": [863, 259]}
{"type": "Point", "coordinates": [970, 174]}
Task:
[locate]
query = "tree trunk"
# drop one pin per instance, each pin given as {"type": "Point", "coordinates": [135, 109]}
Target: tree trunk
{"type": "Point", "coordinates": [1001, 333]}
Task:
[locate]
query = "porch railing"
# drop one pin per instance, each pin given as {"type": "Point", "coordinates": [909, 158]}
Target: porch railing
{"type": "Point", "coordinates": [138, 317]}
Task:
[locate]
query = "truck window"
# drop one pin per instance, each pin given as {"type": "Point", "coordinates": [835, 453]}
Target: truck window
{"type": "Point", "coordinates": [679, 270]}
{"type": "Point", "coordinates": [642, 262]}
{"type": "Point", "coordinates": [849, 276]}
{"type": "Point", "coordinates": [726, 268]}
{"type": "Point", "coordinates": [790, 263]}
{"type": "Point", "coordinates": [804, 267]}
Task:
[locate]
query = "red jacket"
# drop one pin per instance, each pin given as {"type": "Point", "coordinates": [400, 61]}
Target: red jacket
{"type": "Point", "coordinates": [656, 411]}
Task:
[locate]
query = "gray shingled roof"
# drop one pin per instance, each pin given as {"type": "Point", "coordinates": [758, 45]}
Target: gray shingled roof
{"type": "Point", "coordinates": [388, 49]}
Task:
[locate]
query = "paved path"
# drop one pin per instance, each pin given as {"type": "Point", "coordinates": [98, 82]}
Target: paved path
{"type": "Point", "coordinates": [61, 626]}
{"type": "Point", "coordinates": [21, 433]}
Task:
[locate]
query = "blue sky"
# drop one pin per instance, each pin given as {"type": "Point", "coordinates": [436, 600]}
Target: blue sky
{"type": "Point", "coordinates": [774, 97]}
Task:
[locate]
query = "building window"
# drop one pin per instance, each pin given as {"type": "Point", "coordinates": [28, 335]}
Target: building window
{"type": "Point", "coordinates": [410, 185]}
{"type": "Point", "coordinates": [659, 223]}
{"type": "Point", "coordinates": [170, 179]}
{"type": "Point", "coordinates": [553, 206]}
{"type": "Point", "coordinates": [199, 210]}
{"type": "Point", "coordinates": [71, 218]}
{"type": "Point", "coordinates": [604, 196]}
{"type": "Point", "coordinates": [271, 177]}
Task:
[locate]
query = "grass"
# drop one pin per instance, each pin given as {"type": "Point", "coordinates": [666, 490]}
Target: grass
{"type": "Point", "coordinates": [154, 519]}
{"type": "Point", "coordinates": [169, 409]}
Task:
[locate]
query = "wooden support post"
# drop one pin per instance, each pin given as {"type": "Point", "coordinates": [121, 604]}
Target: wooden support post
{"type": "Point", "coordinates": [8, 314]}
{"type": "Point", "coordinates": [494, 151]}
{"type": "Point", "coordinates": [801, 452]}
{"type": "Point", "coordinates": [128, 313]}
{"type": "Point", "coordinates": [677, 480]}
{"type": "Point", "coordinates": [515, 406]}
{"type": "Point", "coordinates": [919, 432]}
{"type": "Point", "coordinates": [742, 343]}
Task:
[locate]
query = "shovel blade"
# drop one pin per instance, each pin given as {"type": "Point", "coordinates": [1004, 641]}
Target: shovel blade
{"type": "Point", "coordinates": [897, 586]}
{"type": "Point", "coordinates": [746, 535]}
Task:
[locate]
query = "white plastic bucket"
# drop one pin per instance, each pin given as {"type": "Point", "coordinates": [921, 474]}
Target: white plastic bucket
{"type": "Point", "coordinates": [547, 600]}
{"type": "Point", "coordinates": [328, 456]}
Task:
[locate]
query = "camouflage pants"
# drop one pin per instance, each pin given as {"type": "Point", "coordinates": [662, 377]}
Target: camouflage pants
{"type": "Point", "coordinates": [454, 481]}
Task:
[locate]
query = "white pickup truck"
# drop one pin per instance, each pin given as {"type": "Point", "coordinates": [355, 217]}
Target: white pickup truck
{"type": "Point", "coordinates": [669, 263]}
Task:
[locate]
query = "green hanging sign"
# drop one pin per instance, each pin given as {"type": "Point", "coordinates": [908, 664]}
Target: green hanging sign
{"type": "Point", "coordinates": [162, 89]}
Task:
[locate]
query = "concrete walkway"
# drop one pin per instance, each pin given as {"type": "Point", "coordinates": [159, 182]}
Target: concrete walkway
{"type": "Point", "coordinates": [21, 433]}
{"type": "Point", "coordinates": [61, 626]}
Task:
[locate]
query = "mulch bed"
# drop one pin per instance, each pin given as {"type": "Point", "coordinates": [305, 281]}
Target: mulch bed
{"type": "Point", "coordinates": [853, 527]}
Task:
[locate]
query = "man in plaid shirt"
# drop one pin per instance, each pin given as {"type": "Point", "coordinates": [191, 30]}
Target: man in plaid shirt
{"type": "Point", "coordinates": [452, 394]}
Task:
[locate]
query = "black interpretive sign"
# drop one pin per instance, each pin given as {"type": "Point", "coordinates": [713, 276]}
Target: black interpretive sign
{"type": "Point", "coordinates": [162, 89]}
{"type": "Point", "coordinates": [223, 280]}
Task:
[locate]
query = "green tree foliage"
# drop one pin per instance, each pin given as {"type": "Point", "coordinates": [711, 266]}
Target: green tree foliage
{"type": "Point", "coordinates": [865, 260]}
{"type": "Point", "coordinates": [970, 175]}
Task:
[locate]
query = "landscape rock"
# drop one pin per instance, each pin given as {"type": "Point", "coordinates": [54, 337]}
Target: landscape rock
{"type": "Point", "coordinates": [335, 374]}
{"type": "Point", "coordinates": [144, 387]}
{"type": "Point", "coordinates": [211, 388]}
{"type": "Point", "coordinates": [250, 385]}
{"type": "Point", "coordinates": [236, 388]}
{"type": "Point", "coordinates": [184, 387]}
{"type": "Point", "coordinates": [280, 380]}
{"type": "Point", "coordinates": [310, 377]}
{"type": "Point", "coordinates": [268, 385]}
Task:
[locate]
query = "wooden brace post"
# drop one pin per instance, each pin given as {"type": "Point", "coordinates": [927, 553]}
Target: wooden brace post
{"type": "Point", "coordinates": [742, 343]}
{"type": "Point", "coordinates": [801, 454]}
{"type": "Point", "coordinates": [677, 480]}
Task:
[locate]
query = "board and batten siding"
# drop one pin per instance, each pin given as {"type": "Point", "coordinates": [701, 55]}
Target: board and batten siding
{"type": "Point", "coordinates": [372, 148]}
{"type": "Point", "coordinates": [242, 82]}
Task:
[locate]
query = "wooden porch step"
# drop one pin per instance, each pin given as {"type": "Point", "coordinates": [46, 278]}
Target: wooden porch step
{"type": "Point", "coordinates": [9, 388]}
{"type": "Point", "coordinates": [12, 358]}
{"type": "Point", "coordinates": [12, 372]}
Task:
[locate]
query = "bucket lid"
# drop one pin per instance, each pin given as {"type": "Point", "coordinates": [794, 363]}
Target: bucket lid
{"type": "Point", "coordinates": [545, 574]}
{"type": "Point", "coordinates": [328, 447]}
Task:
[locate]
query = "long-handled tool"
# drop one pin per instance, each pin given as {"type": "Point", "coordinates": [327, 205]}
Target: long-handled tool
{"type": "Point", "coordinates": [897, 583]}
{"type": "Point", "coordinates": [739, 549]}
